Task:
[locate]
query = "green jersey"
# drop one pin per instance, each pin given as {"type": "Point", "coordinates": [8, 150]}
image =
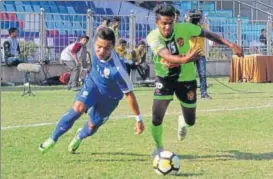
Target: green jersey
{"type": "Point", "coordinates": [178, 44]}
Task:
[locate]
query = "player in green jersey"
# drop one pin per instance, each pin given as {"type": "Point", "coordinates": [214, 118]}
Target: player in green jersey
{"type": "Point", "coordinates": [175, 70]}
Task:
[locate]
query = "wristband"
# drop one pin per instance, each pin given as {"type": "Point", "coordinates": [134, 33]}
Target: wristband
{"type": "Point", "coordinates": [139, 118]}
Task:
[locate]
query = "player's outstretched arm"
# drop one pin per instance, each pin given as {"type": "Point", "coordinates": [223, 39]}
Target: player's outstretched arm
{"type": "Point", "coordinates": [220, 40]}
{"type": "Point", "coordinates": [134, 106]}
{"type": "Point", "coordinates": [179, 59]}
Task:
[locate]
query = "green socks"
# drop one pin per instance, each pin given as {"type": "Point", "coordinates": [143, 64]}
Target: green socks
{"type": "Point", "coordinates": [157, 132]}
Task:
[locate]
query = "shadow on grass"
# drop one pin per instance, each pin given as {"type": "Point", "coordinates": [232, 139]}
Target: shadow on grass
{"type": "Point", "coordinates": [188, 174]}
{"type": "Point", "coordinates": [111, 157]}
{"type": "Point", "coordinates": [120, 153]}
{"type": "Point", "coordinates": [237, 155]}
{"type": "Point", "coordinates": [230, 155]}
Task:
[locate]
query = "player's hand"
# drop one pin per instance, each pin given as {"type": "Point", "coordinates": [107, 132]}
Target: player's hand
{"type": "Point", "coordinates": [77, 63]}
{"type": "Point", "coordinates": [193, 55]}
{"type": "Point", "coordinates": [237, 50]}
{"type": "Point", "coordinates": [139, 127]}
{"type": "Point", "coordinates": [168, 64]}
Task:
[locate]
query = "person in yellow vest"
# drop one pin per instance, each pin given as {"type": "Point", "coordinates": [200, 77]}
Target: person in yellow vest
{"type": "Point", "coordinates": [138, 57]}
{"type": "Point", "coordinates": [196, 17]}
{"type": "Point", "coordinates": [122, 52]}
{"type": "Point", "coordinates": [121, 48]}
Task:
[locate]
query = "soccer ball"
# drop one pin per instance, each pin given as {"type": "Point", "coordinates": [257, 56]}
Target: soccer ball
{"type": "Point", "coordinates": [166, 163]}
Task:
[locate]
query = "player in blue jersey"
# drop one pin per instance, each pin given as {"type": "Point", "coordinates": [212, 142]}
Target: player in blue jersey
{"type": "Point", "coordinates": [103, 89]}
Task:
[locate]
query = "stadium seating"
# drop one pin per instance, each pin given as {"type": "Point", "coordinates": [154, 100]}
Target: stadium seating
{"type": "Point", "coordinates": [10, 8]}
{"type": "Point", "coordinates": [68, 18]}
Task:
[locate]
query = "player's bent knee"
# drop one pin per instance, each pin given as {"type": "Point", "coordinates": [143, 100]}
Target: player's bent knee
{"type": "Point", "coordinates": [157, 121]}
{"type": "Point", "coordinates": [79, 107]}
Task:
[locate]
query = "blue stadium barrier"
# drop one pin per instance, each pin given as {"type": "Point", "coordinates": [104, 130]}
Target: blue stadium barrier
{"type": "Point", "coordinates": [71, 10]}
{"type": "Point", "coordinates": [3, 8]}
{"type": "Point", "coordinates": [48, 17]}
{"type": "Point", "coordinates": [54, 9]}
{"type": "Point", "coordinates": [28, 8]}
{"type": "Point", "coordinates": [100, 10]}
{"type": "Point", "coordinates": [91, 5]}
{"type": "Point", "coordinates": [51, 3]}
{"type": "Point", "coordinates": [28, 3]}
{"type": "Point", "coordinates": [63, 9]}
{"type": "Point", "coordinates": [9, 2]}
{"type": "Point", "coordinates": [43, 3]}
{"type": "Point", "coordinates": [60, 3]}
{"type": "Point", "coordinates": [46, 8]}
{"type": "Point", "coordinates": [36, 8]}
{"type": "Point", "coordinates": [10, 8]}
{"type": "Point", "coordinates": [109, 11]}
{"type": "Point", "coordinates": [19, 8]}
{"type": "Point", "coordinates": [35, 3]}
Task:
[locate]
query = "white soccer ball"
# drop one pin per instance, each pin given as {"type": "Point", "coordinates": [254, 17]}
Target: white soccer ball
{"type": "Point", "coordinates": [166, 163]}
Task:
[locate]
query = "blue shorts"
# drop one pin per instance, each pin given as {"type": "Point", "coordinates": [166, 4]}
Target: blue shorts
{"type": "Point", "coordinates": [101, 106]}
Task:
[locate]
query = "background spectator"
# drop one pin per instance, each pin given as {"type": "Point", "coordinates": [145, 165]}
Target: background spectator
{"type": "Point", "coordinates": [105, 23]}
{"type": "Point", "coordinates": [138, 57]}
{"type": "Point", "coordinates": [12, 51]}
{"type": "Point", "coordinates": [70, 57]}
{"type": "Point", "coordinates": [115, 26]}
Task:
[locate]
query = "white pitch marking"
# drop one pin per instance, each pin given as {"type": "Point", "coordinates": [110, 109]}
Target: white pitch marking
{"type": "Point", "coordinates": [131, 116]}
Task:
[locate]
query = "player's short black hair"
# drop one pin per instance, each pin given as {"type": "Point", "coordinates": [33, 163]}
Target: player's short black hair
{"type": "Point", "coordinates": [12, 29]}
{"type": "Point", "coordinates": [85, 37]}
{"type": "Point", "coordinates": [122, 41]}
{"type": "Point", "coordinates": [116, 19]}
{"type": "Point", "coordinates": [106, 34]}
{"type": "Point", "coordinates": [141, 43]}
{"type": "Point", "coordinates": [107, 20]}
{"type": "Point", "coordinates": [164, 10]}
{"type": "Point", "coordinates": [177, 12]}
{"type": "Point", "coordinates": [263, 30]}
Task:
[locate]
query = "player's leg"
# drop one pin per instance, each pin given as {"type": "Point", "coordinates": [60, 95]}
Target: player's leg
{"type": "Point", "coordinates": [159, 110]}
{"type": "Point", "coordinates": [84, 99]}
{"type": "Point", "coordinates": [97, 116]}
{"type": "Point", "coordinates": [163, 94]}
{"type": "Point", "coordinates": [186, 93]}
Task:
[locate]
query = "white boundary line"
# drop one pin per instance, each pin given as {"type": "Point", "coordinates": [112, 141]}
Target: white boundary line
{"type": "Point", "coordinates": [130, 116]}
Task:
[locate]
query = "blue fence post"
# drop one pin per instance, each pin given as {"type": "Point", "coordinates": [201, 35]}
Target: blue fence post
{"type": "Point", "coordinates": [239, 31]}
{"type": "Point", "coordinates": [42, 35]}
{"type": "Point", "coordinates": [132, 30]}
{"type": "Point", "coordinates": [89, 27]}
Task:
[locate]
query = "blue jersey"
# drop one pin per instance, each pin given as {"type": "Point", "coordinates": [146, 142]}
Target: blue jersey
{"type": "Point", "coordinates": [110, 76]}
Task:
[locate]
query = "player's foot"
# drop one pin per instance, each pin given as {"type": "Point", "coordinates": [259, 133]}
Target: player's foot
{"type": "Point", "coordinates": [181, 128]}
{"type": "Point", "coordinates": [75, 143]}
{"type": "Point", "coordinates": [47, 145]}
{"type": "Point", "coordinates": [156, 151]}
{"type": "Point", "coordinates": [206, 96]}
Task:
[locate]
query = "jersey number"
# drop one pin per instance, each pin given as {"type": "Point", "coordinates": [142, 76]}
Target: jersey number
{"type": "Point", "coordinates": [172, 48]}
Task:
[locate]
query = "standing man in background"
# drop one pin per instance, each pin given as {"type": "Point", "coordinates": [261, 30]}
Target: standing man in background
{"type": "Point", "coordinates": [196, 17]}
{"type": "Point", "coordinates": [115, 26]}
{"type": "Point", "coordinates": [70, 57]}
{"type": "Point", "coordinates": [105, 23]}
{"type": "Point", "coordinates": [177, 15]}
{"type": "Point", "coordinates": [263, 40]}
